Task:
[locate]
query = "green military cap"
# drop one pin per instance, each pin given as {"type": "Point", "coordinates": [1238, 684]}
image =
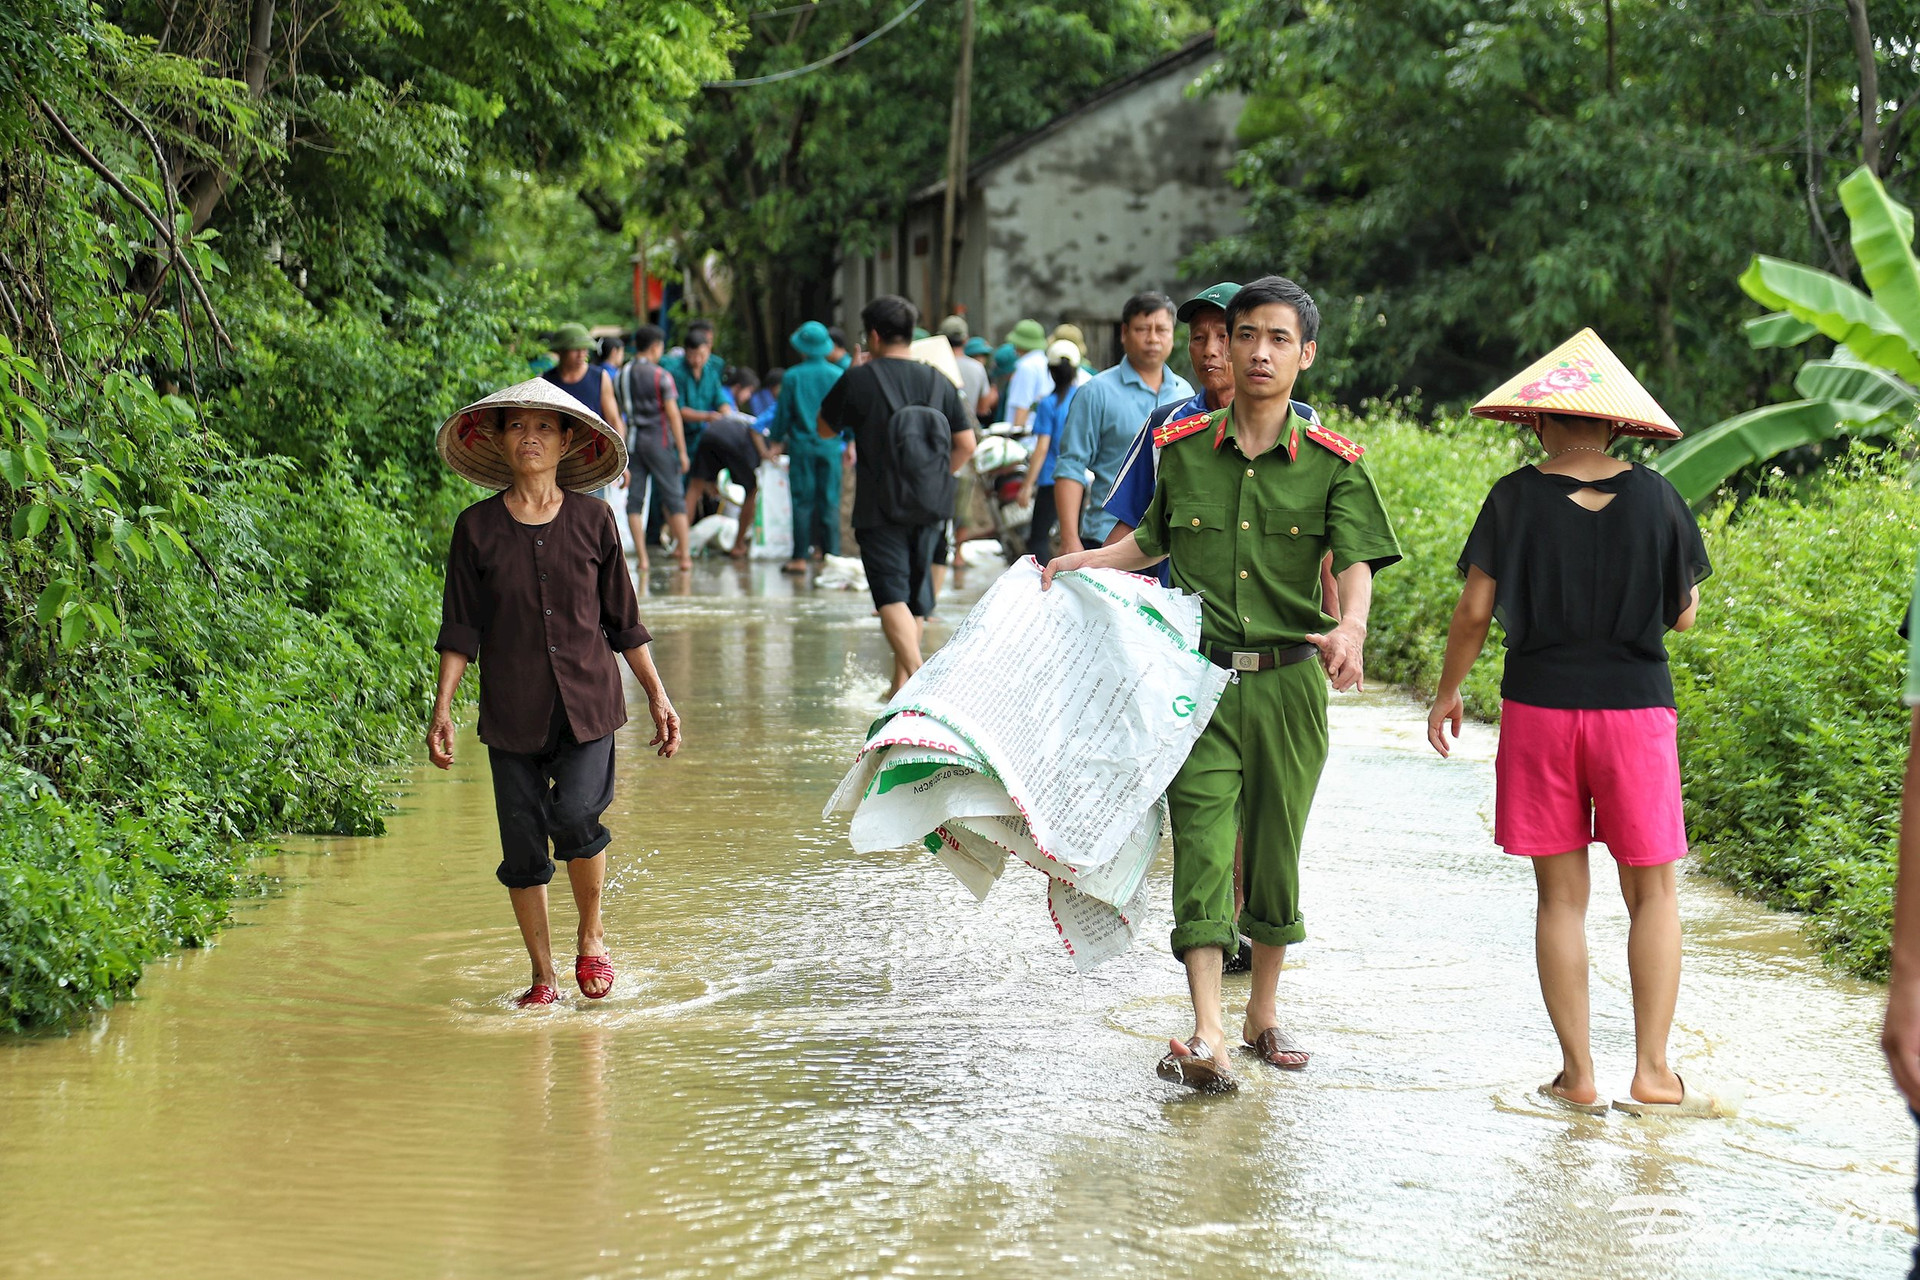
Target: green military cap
{"type": "Point", "coordinates": [1218, 295]}
{"type": "Point", "coordinates": [572, 336]}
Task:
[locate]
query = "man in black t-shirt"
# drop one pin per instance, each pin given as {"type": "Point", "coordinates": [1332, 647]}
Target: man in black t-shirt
{"type": "Point", "coordinates": [898, 557]}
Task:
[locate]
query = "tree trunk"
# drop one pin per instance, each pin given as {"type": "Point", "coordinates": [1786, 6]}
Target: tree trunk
{"type": "Point", "coordinates": [212, 184]}
{"type": "Point", "coordinates": [1869, 85]}
{"type": "Point", "coordinates": [1613, 79]}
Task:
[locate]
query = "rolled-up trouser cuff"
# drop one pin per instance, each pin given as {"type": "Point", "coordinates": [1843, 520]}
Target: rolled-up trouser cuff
{"type": "Point", "coordinates": [523, 879]}
{"type": "Point", "coordinates": [1205, 933]}
{"type": "Point", "coordinates": [588, 850]}
{"type": "Point", "coordinates": [1273, 935]}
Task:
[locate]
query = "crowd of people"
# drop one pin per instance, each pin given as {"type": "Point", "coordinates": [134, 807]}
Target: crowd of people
{"type": "Point", "coordinates": [1234, 492]}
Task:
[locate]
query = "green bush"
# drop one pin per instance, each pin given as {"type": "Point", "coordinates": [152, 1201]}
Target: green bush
{"type": "Point", "coordinates": [1792, 735]}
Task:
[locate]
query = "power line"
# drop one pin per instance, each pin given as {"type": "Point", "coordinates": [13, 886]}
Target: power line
{"type": "Point", "coordinates": [855, 47]}
{"type": "Point", "coordinates": [790, 10]}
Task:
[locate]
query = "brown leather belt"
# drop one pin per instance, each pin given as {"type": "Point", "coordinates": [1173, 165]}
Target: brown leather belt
{"type": "Point", "coordinates": [1256, 659]}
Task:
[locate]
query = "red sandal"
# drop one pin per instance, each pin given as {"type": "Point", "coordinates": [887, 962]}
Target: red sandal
{"type": "Point", "coordinates": [538, 993]}
{"type": "Point", "coordinates": [593, 969]}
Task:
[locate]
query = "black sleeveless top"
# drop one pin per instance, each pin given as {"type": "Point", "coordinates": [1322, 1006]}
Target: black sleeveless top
{"type": "Point", "coordinates": [1586, 597]}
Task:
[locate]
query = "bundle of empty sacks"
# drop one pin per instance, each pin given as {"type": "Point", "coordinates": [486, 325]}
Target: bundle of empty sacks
{"type": "Point", "coordinates": [1046, 729]}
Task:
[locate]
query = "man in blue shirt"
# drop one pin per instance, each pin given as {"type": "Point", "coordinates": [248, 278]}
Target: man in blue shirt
{"type": "Point", "coordinates": [1205, 315]}
{"type": "Point", "coordinates": [1106, 413]}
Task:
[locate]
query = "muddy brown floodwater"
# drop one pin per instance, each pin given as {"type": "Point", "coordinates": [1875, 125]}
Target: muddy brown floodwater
{"type": "Point", "coordinates": [819, 1063]}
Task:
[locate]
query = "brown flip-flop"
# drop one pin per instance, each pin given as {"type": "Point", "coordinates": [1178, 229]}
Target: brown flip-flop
{"type": "Point", "coordinates": [1272, 1043]}
{"type": "Point", "coordinates": [1197, 1070]}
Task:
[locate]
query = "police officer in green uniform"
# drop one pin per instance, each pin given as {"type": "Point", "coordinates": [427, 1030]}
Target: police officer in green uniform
{"type": "Point", "coordinates": [1249, 499]}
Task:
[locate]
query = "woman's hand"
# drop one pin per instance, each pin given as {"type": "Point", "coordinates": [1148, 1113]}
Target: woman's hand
{"type": "Point", "coordinates": [1448, 709]}
{"type": "Point", "coordinates": [685, 465]}
{"type": "Point", "coordinates": [440, 738]}
{"type": "Point", "coordinates": [1026, 495]}
{"type": "Point", "coordinates": [666, 724]}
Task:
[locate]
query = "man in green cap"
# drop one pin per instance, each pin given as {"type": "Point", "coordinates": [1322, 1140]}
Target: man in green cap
{"type": "Point", "coordinates": [1249, 498]}
{"type": "Point", "coordinates": [813, 469]}
{"type": "Point", "coordinates": [1030, 379]}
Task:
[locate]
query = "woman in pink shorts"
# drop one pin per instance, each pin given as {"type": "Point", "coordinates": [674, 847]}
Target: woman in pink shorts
{"type": "Point", "coordinates": [1587, 562]}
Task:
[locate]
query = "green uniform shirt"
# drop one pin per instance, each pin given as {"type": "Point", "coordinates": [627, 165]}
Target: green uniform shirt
{"type": "Point", "coordinates": [1248, 535]}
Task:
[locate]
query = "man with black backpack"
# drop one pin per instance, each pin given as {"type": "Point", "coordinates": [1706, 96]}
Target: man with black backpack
{"type": "Point", "coordinates": [911, 436]}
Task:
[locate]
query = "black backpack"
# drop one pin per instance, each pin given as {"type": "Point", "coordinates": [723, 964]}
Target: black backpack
{"type": "Point", "coordinates": [920, 487]}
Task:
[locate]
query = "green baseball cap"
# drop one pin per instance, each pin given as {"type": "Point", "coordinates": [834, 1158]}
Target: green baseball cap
{"type": "Point", "coordinates": [572, 337]}
{"type": "Point", "coordinates": [1217, 295]}
{"type": "Point", "coordinates": [1027, 336]}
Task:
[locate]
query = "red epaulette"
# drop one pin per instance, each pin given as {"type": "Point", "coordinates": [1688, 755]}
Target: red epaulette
{"type": "Point", "coordinates": [1344, 448]}
{"type": "Point", "coordinates": [1167, 432]}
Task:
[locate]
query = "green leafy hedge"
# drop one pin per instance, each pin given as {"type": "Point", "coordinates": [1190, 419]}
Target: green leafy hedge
{"type": "Point", "coordinates": [1792, 733]}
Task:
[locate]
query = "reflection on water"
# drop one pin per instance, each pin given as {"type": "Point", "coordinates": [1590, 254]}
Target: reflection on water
{"type": "Point", "coordinates": [823, 1063]}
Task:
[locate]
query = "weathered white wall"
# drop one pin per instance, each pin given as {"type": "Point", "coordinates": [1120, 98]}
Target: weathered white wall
{"type": "Point", "coordinates": [1104, 206]}
{"type": "Point", "coordinates": [1108, 206]}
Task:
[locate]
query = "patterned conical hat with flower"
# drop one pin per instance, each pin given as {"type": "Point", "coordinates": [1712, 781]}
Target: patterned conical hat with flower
{"type": "Point", "coordinates": [1581, 379]}
{"type": "Point", "coordinates": [469, 441]}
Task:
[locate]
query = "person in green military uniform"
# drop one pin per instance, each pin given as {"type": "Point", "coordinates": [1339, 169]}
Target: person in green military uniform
{"type": "Point", "coordinates": [1249, 498]}
{"type": "Point", "coordinates": [813, 467]}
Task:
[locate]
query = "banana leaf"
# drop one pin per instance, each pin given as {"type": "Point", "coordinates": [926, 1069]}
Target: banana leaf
{"type": "Point", "coordinates": [1708, 459]}
{"type": "Point", "coordinates": [1882, 233]}
{"type": "Point", "coordinates": [1835, 308]}
{"type": "Point", "coordinates": [1778, 330]}
{"type": "Point", "coordinates": [1859, 385]}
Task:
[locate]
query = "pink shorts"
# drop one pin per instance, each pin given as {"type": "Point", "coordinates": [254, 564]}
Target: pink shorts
{"type": "Point", "coordinates": [1564, 779]}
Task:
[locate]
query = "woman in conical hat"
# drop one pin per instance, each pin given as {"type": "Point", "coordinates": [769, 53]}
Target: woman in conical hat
{"type": "Point", "coordinates": [537, 591]}
{"type": "Point", "coordinates": [1588, 562]}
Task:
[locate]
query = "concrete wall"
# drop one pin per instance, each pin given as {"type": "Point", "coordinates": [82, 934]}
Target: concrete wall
{"type": "Point", "coordinates": [1106, 204]}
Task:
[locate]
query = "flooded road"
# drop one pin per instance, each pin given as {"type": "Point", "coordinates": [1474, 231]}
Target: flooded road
{"type": "Point", "coordinates": [826, 1064]}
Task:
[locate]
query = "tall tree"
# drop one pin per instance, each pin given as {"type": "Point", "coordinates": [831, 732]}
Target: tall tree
{"type": "Point", "coordinates": [779, 179]}
{"type": "Point", "coordinates": [1465, 182]}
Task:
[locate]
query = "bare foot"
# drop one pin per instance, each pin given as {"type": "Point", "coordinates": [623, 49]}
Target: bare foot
{"type": "Point", "coordinates": [1581, 1091]}
{"type": "Point", "coordinates": [684, 564]}
{"type": "Point", "coordinates": [1661, 1086]}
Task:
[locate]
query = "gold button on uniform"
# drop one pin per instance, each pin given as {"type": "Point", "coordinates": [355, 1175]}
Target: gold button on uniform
{"type": "Point", "coordinates": [1196, 522]}
{"type": "Point", "coordinates": [1243, 573]}
{"type": "Point", "coordinates": [1295, 530]}
{"type": "Point", "coordinates": [1249, 470]}
{"type": "Point", "coordinates": [1245, 525]}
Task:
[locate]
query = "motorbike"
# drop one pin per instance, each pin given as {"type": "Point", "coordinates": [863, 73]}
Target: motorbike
{"type": "Point", "coordinates": [999, 468]}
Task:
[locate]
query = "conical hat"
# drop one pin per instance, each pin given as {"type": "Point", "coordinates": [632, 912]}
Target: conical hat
{"type": "Point", "coordinates": [1581, 379]}
{"type": "Point", "coordinates": [469, 441]}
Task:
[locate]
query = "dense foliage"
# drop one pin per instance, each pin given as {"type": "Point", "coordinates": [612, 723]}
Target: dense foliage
{"type": "Point", "coordinates": [1792, 733]}
{"type": "Point", "coordinates": [229, 321]}
{"type": "Point", "coordinates": [1465, 183]}
{"type": "Point", "coordinates": [780, 178]}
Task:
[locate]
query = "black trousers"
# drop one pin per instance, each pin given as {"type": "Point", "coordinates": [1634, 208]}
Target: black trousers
{"type": "Point", "coordinates": [1040, 532]}
{"type": "Point", "coordinates": [555, 795]}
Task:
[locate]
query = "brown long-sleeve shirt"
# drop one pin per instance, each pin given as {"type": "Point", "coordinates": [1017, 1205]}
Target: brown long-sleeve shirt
{"type": "Point", "coordinates": [545, 608]}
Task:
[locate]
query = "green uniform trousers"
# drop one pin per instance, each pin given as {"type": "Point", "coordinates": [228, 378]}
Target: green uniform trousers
{"type": "Point", "coordinates": [1253, 771]}
{"type": "Point", "coordinates": [814, 477]}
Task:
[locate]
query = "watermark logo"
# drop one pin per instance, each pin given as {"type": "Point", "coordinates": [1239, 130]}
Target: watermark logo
{"type": "Point", "coordinates": [1655, 1220]}
{"type": "Point", "coordinates": [1183, 707]}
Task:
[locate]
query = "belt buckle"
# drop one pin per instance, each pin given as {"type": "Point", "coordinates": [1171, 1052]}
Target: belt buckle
{"type": "Point", "coordinates": [1246, 661]}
